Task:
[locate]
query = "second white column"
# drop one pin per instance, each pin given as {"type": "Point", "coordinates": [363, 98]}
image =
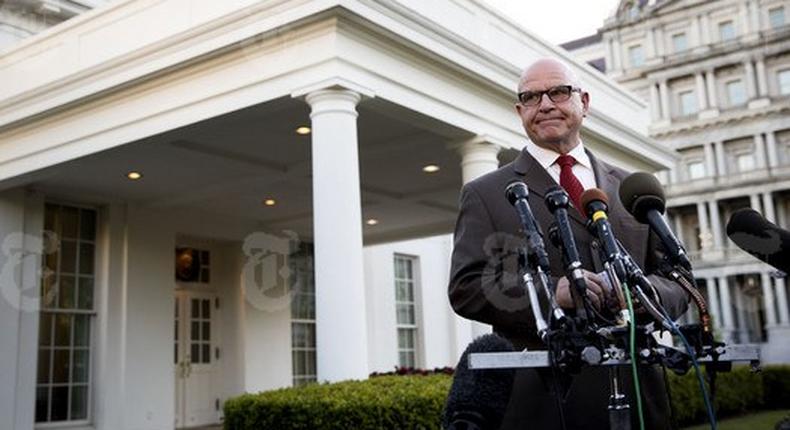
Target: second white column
{"type": "Point", "coordinates": [341, 333]}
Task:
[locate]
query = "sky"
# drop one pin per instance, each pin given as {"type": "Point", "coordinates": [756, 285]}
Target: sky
{"type": "Point", "coordinates": [576, 18]}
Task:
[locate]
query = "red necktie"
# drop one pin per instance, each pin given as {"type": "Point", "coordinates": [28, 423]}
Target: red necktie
{"type": "Point", "coordinates": [569, 181]}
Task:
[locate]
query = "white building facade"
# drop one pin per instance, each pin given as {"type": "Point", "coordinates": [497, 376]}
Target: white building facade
{"type": "Point", "coordinates": [200, 199]}
{"type": "Point", "coordinates": [716, 75]}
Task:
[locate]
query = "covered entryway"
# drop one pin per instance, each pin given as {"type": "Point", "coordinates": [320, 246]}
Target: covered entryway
{"type": "Point", "coordinates": [195, 135]}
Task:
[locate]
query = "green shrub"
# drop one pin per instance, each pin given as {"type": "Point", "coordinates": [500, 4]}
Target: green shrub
{"type": "Point", "coordinates": [385, 402]}
{"type": "Point", "coordinates": [415, 402]}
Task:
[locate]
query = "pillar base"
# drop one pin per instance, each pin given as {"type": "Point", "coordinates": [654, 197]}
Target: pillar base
{"type": "Point", "coordinates": [709, 113]}
{"type": "Point", "coordinates": [759, 103]}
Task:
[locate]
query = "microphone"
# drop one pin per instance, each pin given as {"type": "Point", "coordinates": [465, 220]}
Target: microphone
{"type": "Point", "coordinates": [596, 204]}
{"type": "Point", "coordinates": [643, 197]}
{"type": "Point", "coordinates": [760, 238]}
{"type": "Point", "coordinates": [478, 398]}
{"type": "Point", "coordinates": [517, 193]}
{"type": "Point", "coordinates": [557, 201]}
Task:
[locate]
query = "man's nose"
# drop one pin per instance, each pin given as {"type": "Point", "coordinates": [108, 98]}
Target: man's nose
{"type": "Point", "coordinates": [545, 103]}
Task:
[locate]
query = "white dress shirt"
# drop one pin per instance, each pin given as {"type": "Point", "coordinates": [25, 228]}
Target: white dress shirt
{"type": "Point", "coordinates": [548, 159]}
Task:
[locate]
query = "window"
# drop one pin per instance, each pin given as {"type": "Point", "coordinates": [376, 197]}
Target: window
{"type": "Point", "coordinates": [303, 329]}
{"type": "Point", "coordinates": [406, 318]}
{"type": "Point", "coordinates": [736, 93]}
{"type": "Point", "coordinates": [776, 17]}
{"type": "Point", "coordinates": [784, 81]}
{"type": "Point", "coordinates": [63, 382]}
{"type": "Point", "coordinates": [726, 31]}
{"type": "Point", "coordinates": [744, 162]}
{"type": "Point", "coordinates": [696, 169]}
{"type": "Point", "coordinates": [688, 103]}
{"type": "Point", "coordinates": [636, 55]}
{"type": "Point", "coordinates": [193, 265]}
{"type": "Point", "coordinates": [679, 42]}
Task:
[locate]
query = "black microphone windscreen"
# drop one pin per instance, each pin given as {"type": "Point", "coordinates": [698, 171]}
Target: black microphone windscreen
{"type": "Point", "coordinates": [640, 192]}
{"type": "Point", "coordinates": [484, 393]}
{"type": "Point", "coordinates": [760, 238]}
{"type": "Point", "coordinates": [516, 189]}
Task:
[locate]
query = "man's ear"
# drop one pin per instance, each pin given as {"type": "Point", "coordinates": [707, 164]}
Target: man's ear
{"type": "Point", "coordinates": [585, 103]}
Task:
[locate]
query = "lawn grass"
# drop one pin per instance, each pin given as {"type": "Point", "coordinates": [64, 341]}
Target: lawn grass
{"type": "Point", "coordinates": [765, 420]}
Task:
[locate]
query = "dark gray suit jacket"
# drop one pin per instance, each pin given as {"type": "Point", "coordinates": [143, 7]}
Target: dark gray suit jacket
{"type": "Point", "coordinates": [484, 286]}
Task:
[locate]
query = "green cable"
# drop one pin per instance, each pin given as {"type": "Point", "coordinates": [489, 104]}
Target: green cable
{"type": "Point", "coordinates": [632, 347]}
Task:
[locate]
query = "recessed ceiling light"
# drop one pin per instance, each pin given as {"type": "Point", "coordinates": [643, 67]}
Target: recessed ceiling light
{"type": "Point", "coordinates": [431, 168]}
{"type": "Point", "coordinates": [303, 130]}
{"type": "Point", "coordinates": [372, 221]}
{"type": "Point", "coordinates": [270, 202]}
{"type": "Point", "coordinates": [134, 175]}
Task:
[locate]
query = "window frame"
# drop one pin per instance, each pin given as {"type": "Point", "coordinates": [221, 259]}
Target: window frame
{"type": "Point", "coordinates": [74, 311]}
{"type": "Point", "coordinates": [771, 11]}
{"type": "Point", "coordinates": [636, 48]}
{"type": "Point", "coordinates": [728, 85]}
{"type": "Point", "coordinates": [416, 349]}
{"type": "Point", "coordinates": [679, 36]}
{"type": "Point", "coordinates": [721, 25]}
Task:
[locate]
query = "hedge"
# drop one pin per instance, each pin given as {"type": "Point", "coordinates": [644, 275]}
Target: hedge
{"type": "Point", "coordinates": [414, 401]}
{"type": "Point", "coordinates": [385, 402]}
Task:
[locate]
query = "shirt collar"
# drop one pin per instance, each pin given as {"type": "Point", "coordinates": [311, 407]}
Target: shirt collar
{"type": "Point", "coordinates": [547, 157]}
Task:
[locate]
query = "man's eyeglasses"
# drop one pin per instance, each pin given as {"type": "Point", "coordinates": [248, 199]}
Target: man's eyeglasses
{"type": "Point", "coordinates": [558, 94]}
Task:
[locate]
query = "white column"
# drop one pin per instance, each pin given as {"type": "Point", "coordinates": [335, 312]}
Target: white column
{"type": "Point", "coordinates": [710, 159]}
{"type": "Point", "coordinates": [655, 104]}
{"type": "Point", "coordinates": [705, 28]}
{"type": "Point", "coordinates": [759, 151]}
{"type": "Point", "coordinates": [702, 97]}
{"type": "Point", "coordinates": [713, 302]}
{"type": "Point", "coordinates": [743, 15]}
{"type": "Point", "coordinates": [478, 158]}
{"type": "Point", "coordinates": [650, 44]}
{"type": "Point", "coordinates": [768, 207]}
{"type": "Point", "coordinates": [695, 39]}
{"type": "Point", "coordinates": [341, 335]}
{"type": "Point", "coordinates": [678, 224]}
{"type": "Point", "coordinates": [616, 54]}
{"type": "Point", "coordinates": [748, 68]}
{"type": "Point", "coordinates": [781, 301]}
{"type": "Point", "coordinates": [768, 299]}
{"type": "Point", "coordinates": [754, 202]}
{"type": "Point", "coordinates": [664, 95]}
{"type": "Point", "coordinates": [715, 222]}
{"type": "Point", "coordinates": [608, 55]}
{"type": "Point", "coordinates": [659, 38]}
{"type": "Point", "coordinates": [710, 79]}
{"type": "Point", "coordinates": [727, 320]}
{"type": "Point", "coordinates": [704, 227]}
{"type": "Point", "coordinates": [754, 16]}
{"type": "Point", "coordinates": [770, 143]}
{"type": "Point", "coordinates": [721, 163]}
{"type": "Point", "coordinates": [742, 325]}
{"type": "Point", "coordinates": [762, 79]}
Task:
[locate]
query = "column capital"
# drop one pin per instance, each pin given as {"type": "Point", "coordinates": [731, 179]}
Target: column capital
{"type": "Point", "coordinates": [336, 84]}
{"type": "Point", "coordinates": [478, 157]}
{"type": "Point", "coordinates": [480, 144]}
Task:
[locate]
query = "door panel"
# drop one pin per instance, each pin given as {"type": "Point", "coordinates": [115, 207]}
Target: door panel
{"type": "Point", "coordinates": [195, 367]}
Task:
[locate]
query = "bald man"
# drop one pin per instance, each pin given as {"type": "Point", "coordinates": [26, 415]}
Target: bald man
{"type": "Point", "coordinates": [484, 282]}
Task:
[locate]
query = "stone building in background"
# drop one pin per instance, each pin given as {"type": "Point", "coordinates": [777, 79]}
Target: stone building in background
{"type": "Point", "coordinates": [716, 75]}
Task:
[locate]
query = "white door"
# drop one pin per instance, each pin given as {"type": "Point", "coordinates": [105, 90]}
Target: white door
{"type": "Point", "coordinates": [195, 359]}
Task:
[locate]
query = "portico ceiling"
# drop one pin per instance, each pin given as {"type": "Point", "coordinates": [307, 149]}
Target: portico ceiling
{"type": "Point", "coordinates": [228, 165]}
